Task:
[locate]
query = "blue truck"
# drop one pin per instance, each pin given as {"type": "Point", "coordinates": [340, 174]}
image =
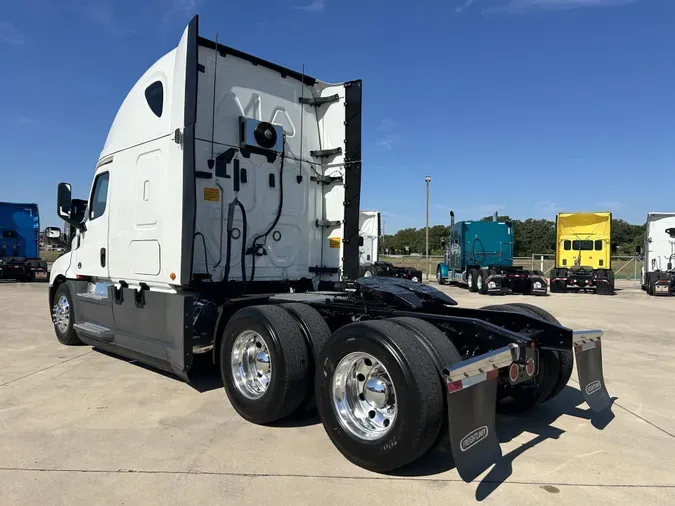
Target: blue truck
{"type": "Point", "coordinates": [479, 255]}
{"type": "Point", "coordinates": [20, 243]}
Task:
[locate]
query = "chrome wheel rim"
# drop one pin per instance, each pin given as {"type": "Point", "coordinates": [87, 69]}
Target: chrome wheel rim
{"type": "Point", "coordinates": [364, 396]}
{"type": "Point", "coordinates": [367, 274]}
{"type": "Point", "coordinates": [469, 280]}
{"type": "Point", "coordinates": [251, 365]}
{"type": "Point", "coordinates": [61, 313]}
{"type": "Point", "coordinates": [479, 282]}
{"type": "Point", "coordinates": [438, 276]}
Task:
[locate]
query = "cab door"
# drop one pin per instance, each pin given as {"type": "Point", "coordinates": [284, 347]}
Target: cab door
{"type": "Point", "coordinates": [92, 291]}
{"type": "Point", "coordinates": [92, 254]}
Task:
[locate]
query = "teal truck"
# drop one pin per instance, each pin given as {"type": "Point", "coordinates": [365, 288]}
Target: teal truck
{"type": "Point", "coordinates": [479, 255]}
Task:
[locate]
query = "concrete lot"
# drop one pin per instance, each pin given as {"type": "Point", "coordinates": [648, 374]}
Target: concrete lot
{"type": "Point", "coordinates": [81, 427]}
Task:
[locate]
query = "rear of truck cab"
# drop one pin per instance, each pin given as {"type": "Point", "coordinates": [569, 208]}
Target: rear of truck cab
{"type": "Point", "coordinates": [583, 253]}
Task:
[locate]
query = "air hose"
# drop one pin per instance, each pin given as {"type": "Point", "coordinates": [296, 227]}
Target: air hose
{"type": "Point", "coordinates": [230, 227]}
{"type": "Point", "coordinates": [276, 219]}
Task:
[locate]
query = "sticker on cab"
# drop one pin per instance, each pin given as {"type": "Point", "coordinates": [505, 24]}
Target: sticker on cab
{"type": "Point", "coordinates": [212, 194]}
{"type": "Point", "coordinates": [334, 242]}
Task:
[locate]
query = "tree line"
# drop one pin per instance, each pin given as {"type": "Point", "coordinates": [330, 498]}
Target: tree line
{"type": "Point", "coordinates": [530, 237]}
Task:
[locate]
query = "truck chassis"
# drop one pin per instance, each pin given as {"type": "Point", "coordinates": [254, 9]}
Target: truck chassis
{"type": "Point", "coordinates": [660, 283]}
{"type": "Point", "coordinates": [23, 269]}
{"type": "Point", "coordinates": [381, 351]}
{"type": "Point", "coordinates": [600, 281]}
{"type": "Point", "coordinates": [496, 280]}
{"type": "Point", "coordinates": [389, 270]}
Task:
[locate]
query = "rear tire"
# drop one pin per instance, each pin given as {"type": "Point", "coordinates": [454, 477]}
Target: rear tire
{"type": "Point", "coordinates": [417, 398]}
{"type": "Point", "coordinates": [264, 363]}
{"type": "Point", "coordinates": [517, 399]}
{"type": "Point", "coordinates": [471, 280]}
{"type": "Point", "coordinates": [610, 278]}
{"type": "Point", "coordinates": [481, 284]}
{"type": "Point", "coordinates": [63, 316]}
{"type": "Point", "coordinates": [317, 333]}
{"type": "Point", "coordinates": [566, 358]}
{"type": "Point", "coordinates": [369, 271]}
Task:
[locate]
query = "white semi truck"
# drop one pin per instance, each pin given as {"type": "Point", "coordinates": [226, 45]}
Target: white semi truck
{"type": "Point", "coordinates": [658, 270]}
{"type": "Point", "coordinates": [370, 229]}
{"type": "Point", "coordinates": [223, 218]}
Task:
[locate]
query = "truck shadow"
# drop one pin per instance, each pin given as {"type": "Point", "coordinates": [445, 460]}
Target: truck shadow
{"type": "Point", "coordinates": [204, 376]}
{"type": "Point", "coordinates": [538, 422]}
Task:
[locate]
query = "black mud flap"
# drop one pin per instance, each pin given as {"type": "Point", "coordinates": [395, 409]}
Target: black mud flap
{"type": "Point", "coordinates": [472, 401]}
{"type": "Point", "coordinates": [588, 353]}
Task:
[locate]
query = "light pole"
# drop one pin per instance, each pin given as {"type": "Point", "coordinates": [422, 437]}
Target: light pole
{"type": "Point", "coordinates": [427, 179]}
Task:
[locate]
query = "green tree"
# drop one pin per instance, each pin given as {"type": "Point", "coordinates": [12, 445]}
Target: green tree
{"type": "Point", "coordinates": [531, 236]}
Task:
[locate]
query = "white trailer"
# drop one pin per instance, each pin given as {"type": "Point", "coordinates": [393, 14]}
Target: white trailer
{"type": "Point", "coordinates": [658, 270]}
{"type": "Point", "coordinates": [223, 218]}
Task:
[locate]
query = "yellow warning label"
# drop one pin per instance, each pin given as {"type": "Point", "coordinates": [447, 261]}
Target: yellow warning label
{"type": "Point", "coordinates": [334, 242]}
{"type": "Point", "coordinates": [212, 194]}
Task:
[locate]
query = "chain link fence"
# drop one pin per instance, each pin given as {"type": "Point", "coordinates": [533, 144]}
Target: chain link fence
{"type": "Point", "coordinates": [625, 267]}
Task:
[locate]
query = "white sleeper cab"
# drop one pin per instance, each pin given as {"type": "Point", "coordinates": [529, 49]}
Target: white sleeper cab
{"type": "Point", "coordinates": [658, 270]}
{"type": "Point", "coordinates": [223, 219]}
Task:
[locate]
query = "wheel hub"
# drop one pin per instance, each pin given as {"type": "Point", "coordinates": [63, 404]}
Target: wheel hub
{"type": "Point", "coordinates": [251, 365]}
{"type": "Point", "coordinates": [364, 396]}
{"type": "Point", "coordinates": [376, 392]}
{"type": "Point", "coordinates": [61, 313]}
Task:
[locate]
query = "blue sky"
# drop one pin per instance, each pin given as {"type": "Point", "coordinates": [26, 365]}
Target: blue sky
{"type": "Point", "coordinates": [528, 107]}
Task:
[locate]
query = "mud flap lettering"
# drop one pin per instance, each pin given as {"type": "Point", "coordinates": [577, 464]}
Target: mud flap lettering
{"type": "Point", "coordinates": [588, 354]}
{"type": "Point", "coordinates": [472, 401]}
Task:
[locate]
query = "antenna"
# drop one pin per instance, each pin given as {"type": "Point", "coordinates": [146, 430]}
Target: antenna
{"type": "Point", "coordinates": [213, 106]}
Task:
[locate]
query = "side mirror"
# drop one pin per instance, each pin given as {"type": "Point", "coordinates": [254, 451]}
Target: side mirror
{"type": "Point", "coordinates": [443, 243]}
{"type": "Point", "coordinates": [638, 250]}
{"type": "Point", "coordinates": [64, 207]}
{"type": "Point", "coordinates": [615, 247]}
{"type": "Point", "coordinates": [360, 240]}
{"type": "Point", "coordinates": [63, 201]}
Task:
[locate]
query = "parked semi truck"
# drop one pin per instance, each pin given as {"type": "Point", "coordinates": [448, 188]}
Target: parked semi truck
{"type": "Point", "coordinates": [658, 270]}
{"type": "Point", "coordinates": [479, 255]}
{"type": "Point", "coordinates": [370, 230]}
{"type": "Point", "coordinates": [20, 242]}
{"type": "Point", "coordinates": [201, 236]}
{"type": "Point", "coordinates": [583, 253]}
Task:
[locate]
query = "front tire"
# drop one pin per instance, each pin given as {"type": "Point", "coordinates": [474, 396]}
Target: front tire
{"type": "Point", "coordinates": [63, 316]}
{"type": "Point", "coordinates": [379, 395]}
{"type": "Point", "coordinates": [264, 363]}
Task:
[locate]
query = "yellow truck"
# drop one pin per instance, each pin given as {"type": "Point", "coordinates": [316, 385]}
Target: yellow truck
{"type": "Point", "coordinates": [583, 253]}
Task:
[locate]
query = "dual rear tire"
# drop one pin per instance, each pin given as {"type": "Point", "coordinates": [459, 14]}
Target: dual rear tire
{"type": "Point", "coordinates": [377, 384]}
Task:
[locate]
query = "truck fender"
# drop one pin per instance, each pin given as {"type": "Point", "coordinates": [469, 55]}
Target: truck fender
{"type": "Point", "coordinates": [443, 268]}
